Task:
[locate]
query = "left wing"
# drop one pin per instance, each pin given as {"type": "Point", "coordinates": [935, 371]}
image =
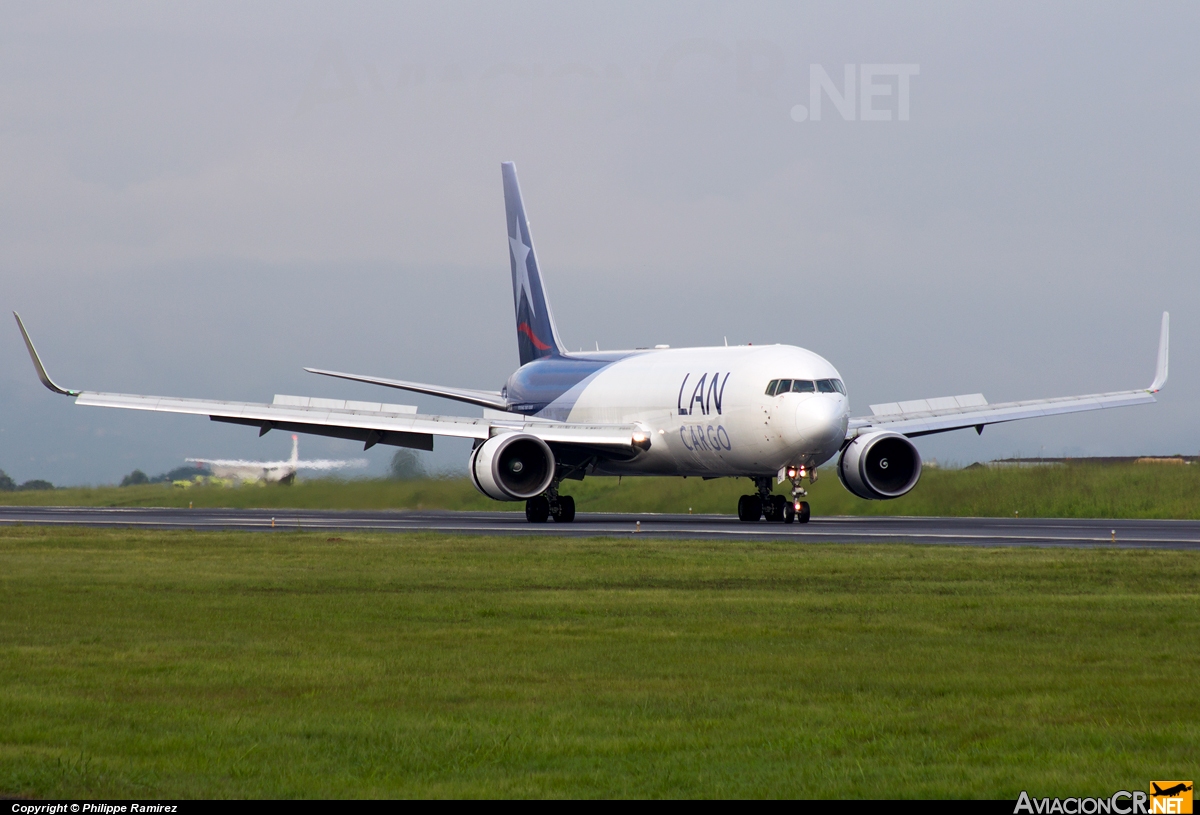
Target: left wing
{"type": "Point", "coordinates": [924, 416]}
{"type": "Point", "coordinates": [369, 422]}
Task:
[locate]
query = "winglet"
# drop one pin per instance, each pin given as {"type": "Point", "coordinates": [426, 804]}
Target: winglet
{"type": "Point", "coordinates": [37, 362]}
{"type": "Point", "coordinates": [1160, 372]}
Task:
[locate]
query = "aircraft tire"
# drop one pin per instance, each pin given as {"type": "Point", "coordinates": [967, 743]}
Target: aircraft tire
{"type": "Point", "coordinates": [770, 509]}
{"type": "Point", "coordinates": [805, 512]}
{"type": "Point", "coordinates": [781, 504]}
{"type": "Point", "coordinates": [749, 508]}
{"type": "Point", "coordinates": [789, 512]}
{"type": "Point", "coordinates": [566, 510]}
{"type": "Point", "coordinates": [537, 510]}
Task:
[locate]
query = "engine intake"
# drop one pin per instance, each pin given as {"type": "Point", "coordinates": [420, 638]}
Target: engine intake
{"type": "Point", "coordinates": [880, 465]}
{"type": "Point", "coordinates": [512, 467]}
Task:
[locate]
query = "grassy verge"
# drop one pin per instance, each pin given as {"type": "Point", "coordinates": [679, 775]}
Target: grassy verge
{"type": "Point", "coordinates": [183, 664]}
{"type": "Point", "coordinates": [1077, 491]}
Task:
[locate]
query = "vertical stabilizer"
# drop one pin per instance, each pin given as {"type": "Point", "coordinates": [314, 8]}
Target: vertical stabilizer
{"type": "Point", "coordinates": [295, 450]}
{"type": "Point", "coordinates": [537, 336]}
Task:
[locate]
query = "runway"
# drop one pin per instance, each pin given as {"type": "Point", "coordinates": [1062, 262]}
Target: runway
{"type": "Point", "coordinates": [953, 531]}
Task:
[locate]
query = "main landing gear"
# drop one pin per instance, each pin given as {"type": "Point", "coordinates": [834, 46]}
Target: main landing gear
{"type": "Point", "coordinates": [550, 505]}
{"type": "Point", "coordinates": [776, 508]}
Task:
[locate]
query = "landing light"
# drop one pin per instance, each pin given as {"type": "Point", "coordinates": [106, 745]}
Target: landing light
{"type": "Point", "coordinates": [641, 438]}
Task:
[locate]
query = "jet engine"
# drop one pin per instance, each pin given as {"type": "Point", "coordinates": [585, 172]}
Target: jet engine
{"type": "Point", "coordinates": [880, 465]}
{"type": "Point", "coordinates": [512, 467]}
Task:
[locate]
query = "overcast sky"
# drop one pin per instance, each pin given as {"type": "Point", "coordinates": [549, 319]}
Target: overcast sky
{"type": "Point", "coordinates": [200, 199]}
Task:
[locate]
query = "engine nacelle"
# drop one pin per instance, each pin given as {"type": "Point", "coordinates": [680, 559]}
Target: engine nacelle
{"type": "Point", "coordinates": [512, 467]}
{"type": "Point", "coordinates": [880, 465]}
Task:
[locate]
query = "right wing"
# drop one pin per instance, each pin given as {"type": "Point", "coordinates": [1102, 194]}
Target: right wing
{"type": "Point", "coordinates": [922, 417]}
{"type": "Point", "coordinates": [369, 422]}
{"type": "Point", "coordinates": [357, 421]}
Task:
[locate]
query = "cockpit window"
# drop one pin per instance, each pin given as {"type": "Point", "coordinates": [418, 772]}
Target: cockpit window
{"type": "Point", "coordinates": [778, 387]}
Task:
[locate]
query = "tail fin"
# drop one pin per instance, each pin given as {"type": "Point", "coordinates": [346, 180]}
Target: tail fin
{"type": "Point", "coordinates": [537, 336]}
{"type": "Point", "coordinates": [295, 450]}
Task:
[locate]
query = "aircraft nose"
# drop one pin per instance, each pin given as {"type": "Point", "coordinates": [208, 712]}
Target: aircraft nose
{"type": "Point", "coordinates": [821, 420]}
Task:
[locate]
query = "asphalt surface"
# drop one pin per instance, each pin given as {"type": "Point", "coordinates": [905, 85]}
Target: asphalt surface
{"type": "Point", "coordinates": [956, 531]}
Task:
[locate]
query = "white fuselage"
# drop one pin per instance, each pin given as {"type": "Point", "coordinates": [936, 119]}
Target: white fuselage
{"type": "Point", "coordinates": [254, 472]}
{"type": "Point", "coordinates": [708, 411]}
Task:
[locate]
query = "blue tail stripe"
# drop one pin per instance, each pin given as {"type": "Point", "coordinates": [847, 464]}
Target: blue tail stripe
{"type": "Point", "coordinates": [537, 336]}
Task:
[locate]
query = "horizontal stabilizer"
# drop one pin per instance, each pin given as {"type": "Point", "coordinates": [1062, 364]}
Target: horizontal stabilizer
{"type": "Point", "coordinates": [488, 399]}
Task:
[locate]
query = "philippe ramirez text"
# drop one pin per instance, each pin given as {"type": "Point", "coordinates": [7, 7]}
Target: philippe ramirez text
{"type": "Point", "coordinates": [92, 809]}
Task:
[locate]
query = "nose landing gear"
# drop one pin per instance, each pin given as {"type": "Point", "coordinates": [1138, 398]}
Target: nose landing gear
{"type": "Point", "coordinates": [800, 508]}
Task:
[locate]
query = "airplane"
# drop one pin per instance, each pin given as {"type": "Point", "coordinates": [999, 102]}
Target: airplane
{"type": "Point", "coordinates": [1170, 792]}
{"type": "Point", "coordinates": [271, 471]}
{"type": "Point", "coordinates": [773, 412]}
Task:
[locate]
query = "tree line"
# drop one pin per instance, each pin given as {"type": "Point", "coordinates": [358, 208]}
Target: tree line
{"type": "Point", "coordinates": [8, 485]}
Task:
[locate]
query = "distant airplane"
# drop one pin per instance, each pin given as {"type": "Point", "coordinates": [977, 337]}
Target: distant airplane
{"type": "Point", "coordinates": [763, 412]}
{"type": "Point", "coordinates": [281, 471]}
{"type": "Point", "coordinates": [1169, 792]}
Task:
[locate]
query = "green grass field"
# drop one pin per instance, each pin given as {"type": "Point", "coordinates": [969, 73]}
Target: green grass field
{"type": "Point", "coordinates": [1076, 491]}
{"type": "Point", "coordinates": [148, 664]}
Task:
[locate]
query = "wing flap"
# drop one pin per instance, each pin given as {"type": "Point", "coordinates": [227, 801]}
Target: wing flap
{"type": "Point", "coordinates": [927, 405]}
{"type": "Point", "coordinates": [368, 436]}
{"type": "Point", "coordinates": [347, 404]}
{"type": "Point", "coordinates": [277, 415]}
